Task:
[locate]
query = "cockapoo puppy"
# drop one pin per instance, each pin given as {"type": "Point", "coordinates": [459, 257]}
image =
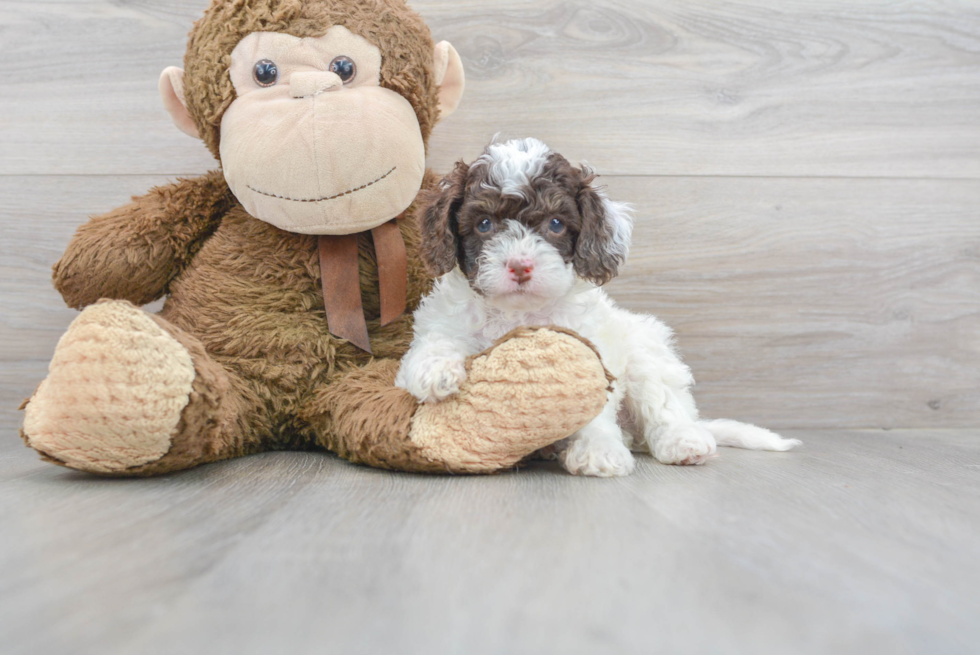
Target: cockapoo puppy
{"type": "Point", "coordinates": [523, 238]}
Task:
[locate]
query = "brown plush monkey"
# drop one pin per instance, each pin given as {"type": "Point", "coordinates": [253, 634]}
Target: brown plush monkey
{"type": "Point", "coordinates": [319, 112]}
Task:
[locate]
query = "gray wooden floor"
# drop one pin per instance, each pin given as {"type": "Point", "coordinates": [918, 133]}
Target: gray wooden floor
{"type": "Point", "coordinates": [861, 542]}
{"type": "Point", "coordinates": [807, 178]}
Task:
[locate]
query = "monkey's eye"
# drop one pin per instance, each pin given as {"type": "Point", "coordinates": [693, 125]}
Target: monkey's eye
{"type": "Point", "coordinates": [266, 73]}
{"type": "Point", "coordinates": [556, 226]}
{"type": "Point", "coordinates": [344, 67]}
{"type": "Point", "coordinates": [484, 226]}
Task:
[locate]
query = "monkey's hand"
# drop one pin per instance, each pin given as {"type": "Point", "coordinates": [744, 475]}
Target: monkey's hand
{"type": "Point", "coordinates": [133, 252]}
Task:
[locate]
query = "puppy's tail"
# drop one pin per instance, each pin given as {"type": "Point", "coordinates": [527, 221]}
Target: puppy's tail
{"type": "Point", "coordinates": [744, 435]}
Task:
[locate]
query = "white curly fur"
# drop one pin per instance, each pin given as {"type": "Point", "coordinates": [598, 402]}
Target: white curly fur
{"type": "Point", "coordinates": [652, 391]}
{"type": "Point", "coordinates": [513, 164]}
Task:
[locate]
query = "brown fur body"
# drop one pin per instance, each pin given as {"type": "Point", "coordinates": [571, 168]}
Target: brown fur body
{"type": "Point", "coordinates": [266, 323]}
{"type": "Point", "coordinates": [246, 298]}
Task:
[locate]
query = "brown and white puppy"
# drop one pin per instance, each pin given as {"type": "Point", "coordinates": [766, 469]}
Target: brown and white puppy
{"type": "Point", "coordinates": [523, 238]}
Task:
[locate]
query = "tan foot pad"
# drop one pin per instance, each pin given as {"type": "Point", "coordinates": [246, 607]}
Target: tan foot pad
{"type": "Point", "coordinates": [114, 394]}
{"type": "Point", "coordinates": [535, 387]}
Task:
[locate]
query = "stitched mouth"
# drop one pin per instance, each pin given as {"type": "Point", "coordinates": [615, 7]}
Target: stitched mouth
{"type": "Point", "coordinates": [334, 197]}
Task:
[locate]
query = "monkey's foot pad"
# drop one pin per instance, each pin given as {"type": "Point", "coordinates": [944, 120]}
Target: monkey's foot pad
{"type": "Point", "coordinates": [114, 394]}
{"type": "Point", "coordinates": [534, 387]}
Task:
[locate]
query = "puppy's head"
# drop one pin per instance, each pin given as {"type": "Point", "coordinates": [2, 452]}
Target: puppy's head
{"type": "Point", "coordinates": [521, 223]}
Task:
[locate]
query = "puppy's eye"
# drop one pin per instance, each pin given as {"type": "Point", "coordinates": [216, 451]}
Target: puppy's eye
{"type": "Point", "coordinates": [484, 226]}
{"type": "Point", "coordinates": [344, 67]}
{"type": "Point", "coordinates": [265, 72]}
{"type": "Point", "coordinates": [556, 226]}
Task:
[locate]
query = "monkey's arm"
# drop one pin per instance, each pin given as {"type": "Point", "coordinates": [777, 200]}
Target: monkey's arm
{"type": "Point", "coordinates": [531, 389]}
{"type": "Point", "coordinates": [133, 252]}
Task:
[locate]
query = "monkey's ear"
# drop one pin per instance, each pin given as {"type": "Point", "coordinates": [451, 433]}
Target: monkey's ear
{"type": "Point", "coordinates": [450, 78]}
{"type": "Point", "coordinates": [172, 93]}
{"type": "Point", "coordinates": [438, 221]}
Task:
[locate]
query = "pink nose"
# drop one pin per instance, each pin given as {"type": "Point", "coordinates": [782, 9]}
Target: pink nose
{"type": "Point", "coordinates": [520, 270]}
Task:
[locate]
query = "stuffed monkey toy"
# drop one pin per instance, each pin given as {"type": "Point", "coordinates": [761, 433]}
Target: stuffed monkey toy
{"type": "Point", "coordinates": [289, 274]}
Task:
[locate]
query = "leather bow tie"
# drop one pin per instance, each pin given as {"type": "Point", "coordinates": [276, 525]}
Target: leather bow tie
{"type": "Point", "coordinates": [341, 281]}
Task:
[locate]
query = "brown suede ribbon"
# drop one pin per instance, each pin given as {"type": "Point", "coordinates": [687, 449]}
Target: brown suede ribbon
{"type": "Point", "coordinates": [341, 281]}
{"type": "Point", "coordinates": [392, 270]}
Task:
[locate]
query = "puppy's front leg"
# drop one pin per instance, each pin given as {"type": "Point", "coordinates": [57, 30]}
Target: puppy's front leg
{"type": "Point", "coordinates": [432, 369]}
{"type": "Point", "coordinates": [597, 449]}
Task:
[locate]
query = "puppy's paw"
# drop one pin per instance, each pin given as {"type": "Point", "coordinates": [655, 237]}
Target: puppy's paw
{"type": "Point", "coordinates": [601, 458]}
{"type": "Point", "coordinates": [685, 444]}
{"type": "Point", "coordinates": [434, 379]}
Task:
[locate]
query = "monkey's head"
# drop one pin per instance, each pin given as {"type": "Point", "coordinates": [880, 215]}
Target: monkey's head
{"type": "Point", "coordinates": [318, 110]}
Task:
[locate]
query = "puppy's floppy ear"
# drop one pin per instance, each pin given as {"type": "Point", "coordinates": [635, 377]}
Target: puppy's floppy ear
{"type": "Point", "coordinates": [437, 221]}
{"type": "Point", "coordinates": [607, 227]}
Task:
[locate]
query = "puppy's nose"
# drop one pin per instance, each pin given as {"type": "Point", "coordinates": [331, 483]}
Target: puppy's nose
{"type": "Point", "coordinates": [311, 83]}
{"type": "Point", "coordinates": [520, 269]}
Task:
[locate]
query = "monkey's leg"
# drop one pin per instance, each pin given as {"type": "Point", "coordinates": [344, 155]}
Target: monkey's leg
{"type": "Point", "coordinates": [530, 390]}
{"type": "Point", "coordinates": [130, 394]}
